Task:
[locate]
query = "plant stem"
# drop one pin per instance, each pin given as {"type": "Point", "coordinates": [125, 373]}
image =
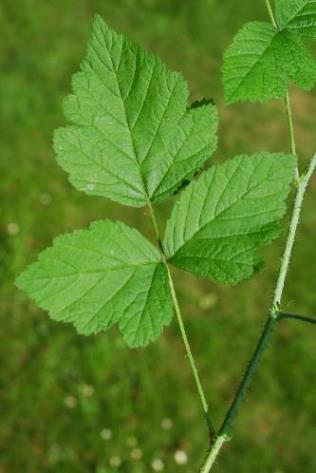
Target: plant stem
{"type": "Point", "coordinates": [303, 183]}
{"type": "Point", "coordinates": [274, 314]}
{"type": "Point", "coordinates": [290, 122]}
{"type": "Point", "coordinates": [185, 339]}
{"type": "Point", "coordinates": [273, 318]}
{"type": "Point", "coordinates": [223, 434]}
{"type": "Point", "coordinates": [302, 318]}
{"type": "Point", "coordinates": [155, 225]}
{"type": "Point", "coordinates": [273, 20]}
{"type": "Point", "coordinates": [289, 115]}
{"type": "Point", "coordinates": [190, 355]}
{"type": "Point", "coordinates": [211, 458]}
{"type": "Point", "coordinates": [248, 376]}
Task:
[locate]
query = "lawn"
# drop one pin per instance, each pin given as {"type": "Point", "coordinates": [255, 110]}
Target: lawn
{"type": "Point", "coordinates": [71, 404]}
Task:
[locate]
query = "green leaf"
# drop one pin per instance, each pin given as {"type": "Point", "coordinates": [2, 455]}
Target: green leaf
{"type": "Point", "coordinates": [297, 15]}
{"type": "Point", "coordinates": [223, 219]}
{"type": "Point", "coordinates": [98, 277]}
{"type": "Point", "coordinates": [132, 136]}
{"type": "Point", "coordinates": [260, 62]}
{"type": "Point", "coordinates": [298, 61]}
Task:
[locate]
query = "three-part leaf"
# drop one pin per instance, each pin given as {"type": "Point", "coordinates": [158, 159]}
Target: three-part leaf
{"type": "Point", "coordinates": [262, 59]}
{"type": "Point", "coordinates": [132, 138]}
{"type": "Point", "coordinates": [98, 277]}
{"type": "Point", "coordinates": [223, 219]}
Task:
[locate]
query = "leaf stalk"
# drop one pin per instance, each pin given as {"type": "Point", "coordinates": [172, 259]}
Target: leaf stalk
{"type": "Point", "coordinates": [205, 407]}
{"type": "Point", "coordinates": [289, 115]}
{"type": "Point", "coordinates": [271, 14]}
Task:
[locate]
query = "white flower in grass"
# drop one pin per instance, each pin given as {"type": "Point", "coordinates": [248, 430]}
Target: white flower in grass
{"type": "Point", "coordinates": [157, 465]}
{"type": "Point", "coordinates": [167, 423]}
{"type": "Point", "coordinates": [87, 390]}
{"type": "Point", "coordinates": [180, 457]}
{"type": "Point", "coordinates": [106, 434]}
{"type": "Point", "coordinates": [13, 228]}
{"type": "Point", "coordinates": [115, 461]}
{"type": "Point", "coordinates": [136, 454]}
{"type": "Point", "coordinates": [71, 402]}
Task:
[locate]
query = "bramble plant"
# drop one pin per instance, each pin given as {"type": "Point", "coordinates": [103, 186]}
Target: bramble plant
{"type": "Point", "coordinates": [132, 138]}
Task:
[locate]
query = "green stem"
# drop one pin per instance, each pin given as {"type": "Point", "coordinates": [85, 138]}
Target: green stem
{"type": "Point", "coordinates": [273, 318]}
{"type": "Point", "coordinates": [185, 339]}
{"type": "Point", "coordinates": [274, 313]}
{"type": "Point", "coordinates": [190, 356]}
{"type": "Point", "coordinates": [303, 183]}
{"type": "Point", "coordinates": [290, 122]}
{"type": "Point", "coordinates": [289, 115]}
{"type": "Point", "coordinates": [155, 225]}
{"type": "Point", "coordinates": [270, 11]}
{"type": "Point", "coordinates": [302, 318]}
{"type": "Point", "coordinates": [211, 457]}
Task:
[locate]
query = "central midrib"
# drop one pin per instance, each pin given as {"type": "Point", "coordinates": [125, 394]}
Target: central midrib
{"type": "Point", "coordinates": [127, 123]}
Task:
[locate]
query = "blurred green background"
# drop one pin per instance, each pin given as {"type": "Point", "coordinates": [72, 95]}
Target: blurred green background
{"type": "Point", "coordinates": [70, 404]}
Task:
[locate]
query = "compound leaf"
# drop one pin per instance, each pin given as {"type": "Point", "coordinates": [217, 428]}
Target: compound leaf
{"type": "Point", "coordinates": [297, 15]}
{"type": "Point", "coordinates": [222, 219]}
{"type": "Point", "coordinates": [101, 276]}
{"type": "Point", "coordinates": [260, 62]}
{"type": "Point", "coordinates": [132, 136]}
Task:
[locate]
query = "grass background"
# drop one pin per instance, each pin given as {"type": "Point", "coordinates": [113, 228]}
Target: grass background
{"type": "Point", "coordinates": [60, 393]}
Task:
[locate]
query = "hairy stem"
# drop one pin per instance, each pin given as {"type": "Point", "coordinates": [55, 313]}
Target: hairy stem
{"type": "Point", "coordinates": [248, 376]}
{"type": "Point", "coordinates": [303, 183]}
{"type": "Point", "coordinates": [211, 457]}
{"type": "Point", "coordinates": [273, 317]}
{"type": "Point", "coordinates": [185, 339]}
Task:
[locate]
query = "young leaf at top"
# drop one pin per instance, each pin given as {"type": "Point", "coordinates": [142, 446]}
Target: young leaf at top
{"type": "Point", "coordinates": [132, 136]}
{"type": "Point", "coordinates": [297, 15]}
{"type": "Point", "coordinates": [263, 58]}
{"type": "Point", "coordinates": [260, 62]}
{"type": "Point", "coordinates": [98, 277]}
{"type": "Point", "coordinates": [222, 219]}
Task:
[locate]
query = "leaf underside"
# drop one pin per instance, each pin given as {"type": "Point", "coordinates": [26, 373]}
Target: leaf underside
{"type": "Point", "coordinates": [98, 277]}
{"type": "Point", "coordinates": [132, 137]}
{"type": "Point", "coordinates": [223, 219]}
{"type": "Point", "coordinates": [263, 59]}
